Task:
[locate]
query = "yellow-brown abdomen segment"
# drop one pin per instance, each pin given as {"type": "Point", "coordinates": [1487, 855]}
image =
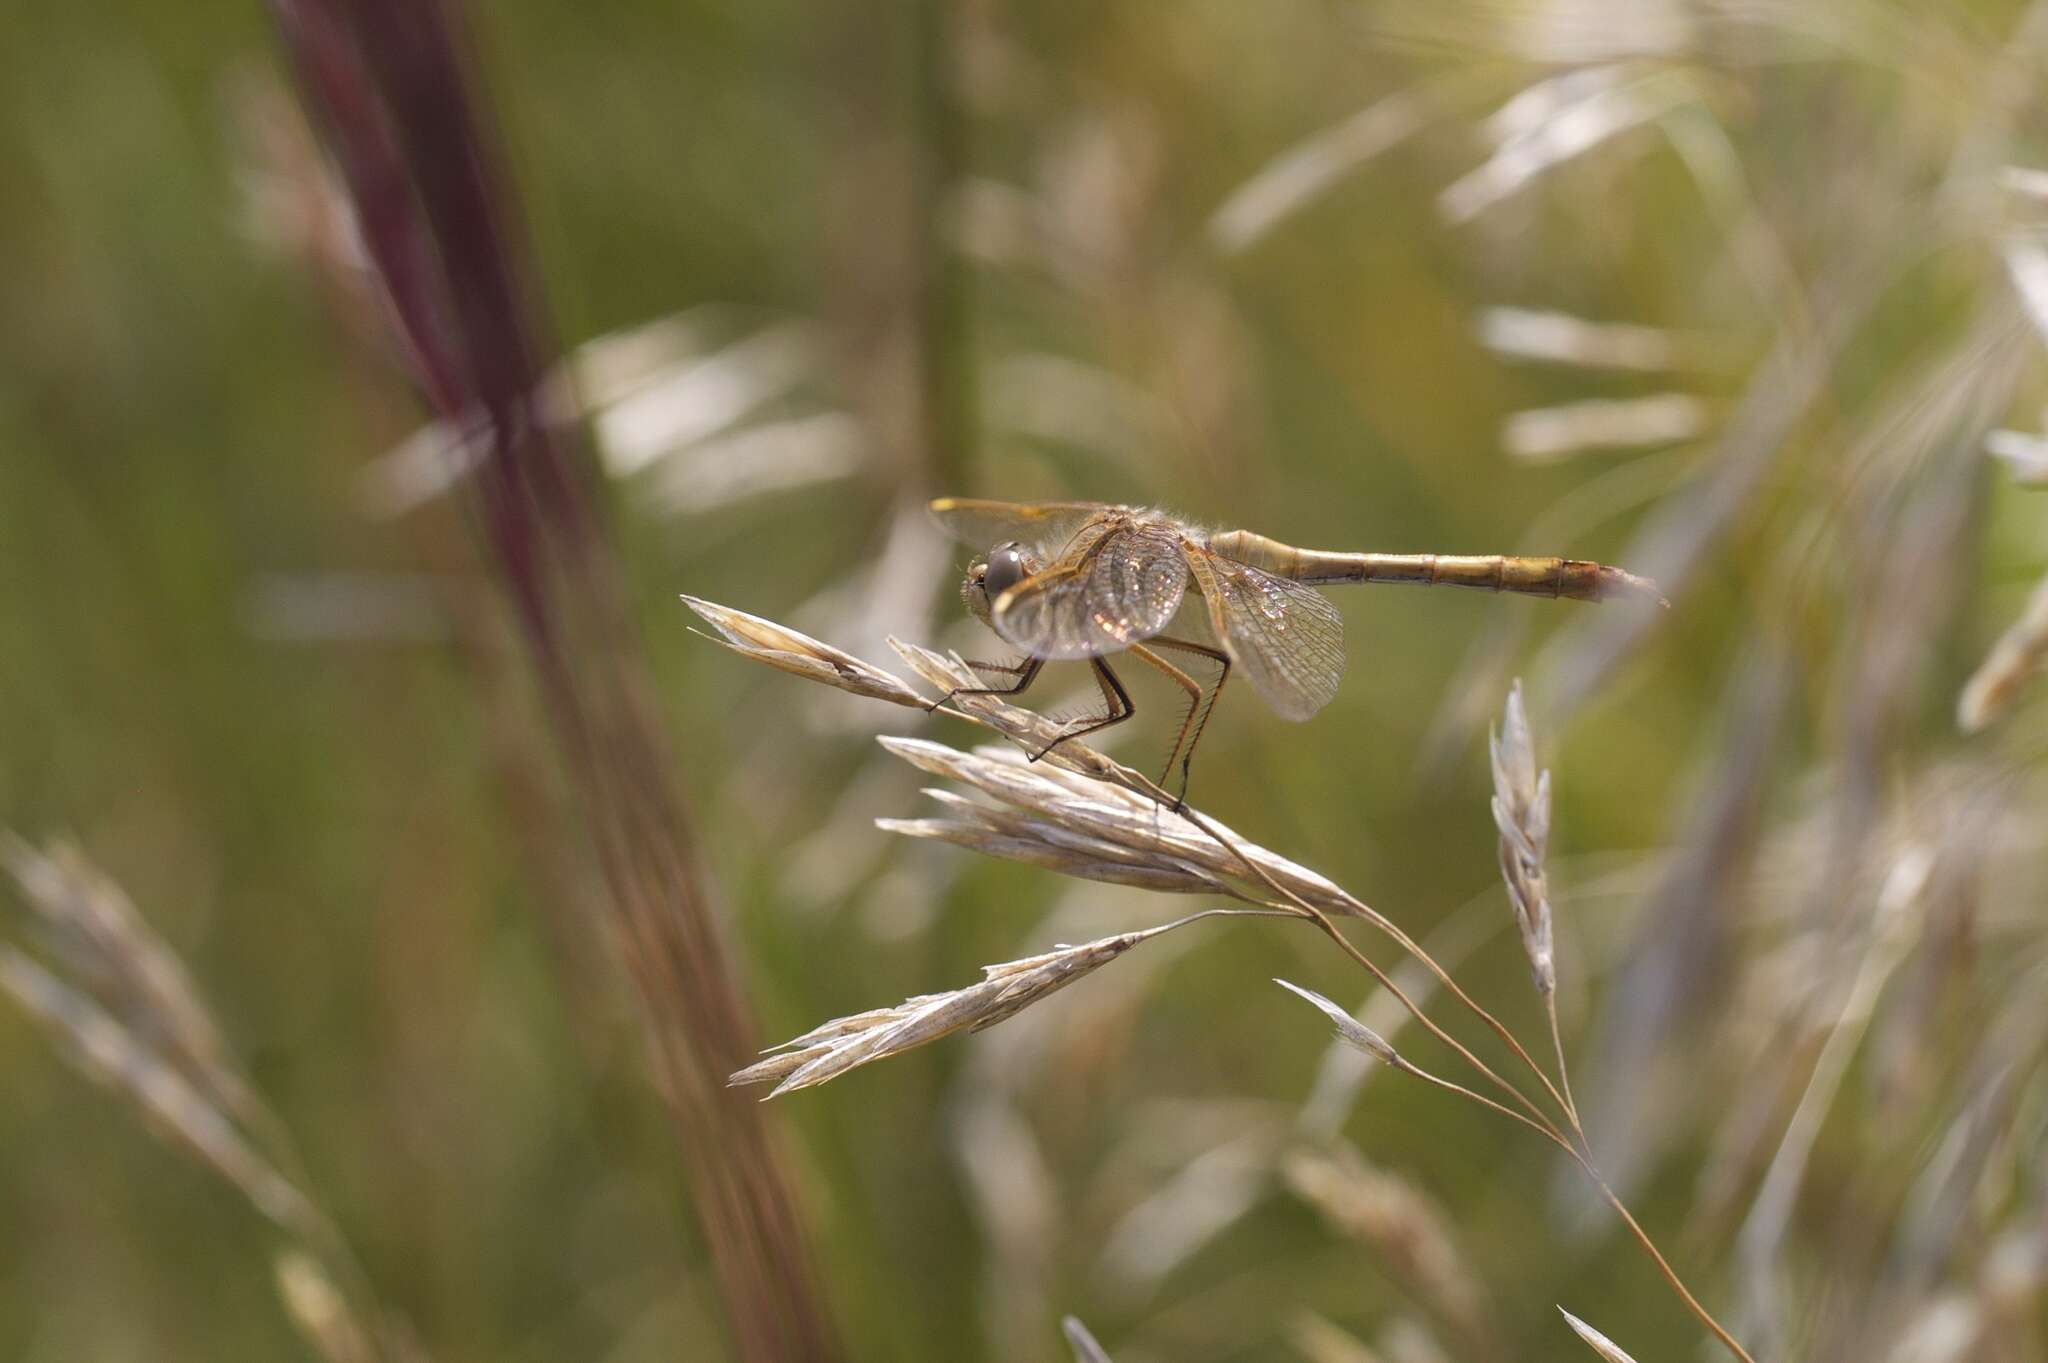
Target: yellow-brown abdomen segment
{"type": "Point", "coordinates": [1572, 578]}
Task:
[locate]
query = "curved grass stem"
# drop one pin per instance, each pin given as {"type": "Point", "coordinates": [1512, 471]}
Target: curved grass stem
{"type": "Point", "coordinates": [1642, 1237]}
{"type": "Point", "coordinates": [1493, 1024]}
{"type": "Point", "coordinates": [1564, 1079]}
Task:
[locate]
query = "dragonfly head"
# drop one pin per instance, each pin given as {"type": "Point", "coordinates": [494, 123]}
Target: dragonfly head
{"type": "Point", "coordinates": [990, 576]}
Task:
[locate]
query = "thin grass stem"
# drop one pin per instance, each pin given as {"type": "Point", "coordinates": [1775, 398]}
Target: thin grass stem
{"type": "Point", "coordinates": [1564, 1079]}
{"type": "Point", "coordinates": [1536, 1116]}
{"type": "Point", "coordinates": [1642, 1237]}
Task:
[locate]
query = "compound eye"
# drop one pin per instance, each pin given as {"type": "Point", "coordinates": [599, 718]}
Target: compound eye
{"type": "Point", "coordinates": [1006, 568]}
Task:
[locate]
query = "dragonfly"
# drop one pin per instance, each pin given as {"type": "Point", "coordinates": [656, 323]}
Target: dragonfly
{"type": "Point", "coordinates": [1062, 581]}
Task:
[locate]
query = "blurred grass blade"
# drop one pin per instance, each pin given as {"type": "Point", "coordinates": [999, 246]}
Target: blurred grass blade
{"type": "Point", "coordinates": [318, 1308]}
{"type": "Point", "coordinates": [1310, 169]}
{"type": "Point", "coordinates": [1562, 339]}
{"type": "Point", "coordinates": [1557, 120]}
{"type": "Point", "coordinates": [1542, 435]}
{"type": "Point", "coordinates": [389, 82]}
{"type": "Point", "coordinates": [135, 1024]}
{"type": "Point", "coordinates": [2013, 660]}
{"type": "Point", "coordinates": [1086, 1350]}
{"type": "Point", "coordinates": [2024, 452]}
{"type": "Point", "coordinates": [111, 1055]}
{"type": "Point", "coordinates": [1408, 1234]}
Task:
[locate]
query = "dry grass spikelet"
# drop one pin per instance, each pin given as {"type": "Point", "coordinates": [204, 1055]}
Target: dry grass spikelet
{"type": "Point", "coordinates": [830, 1050]}
{"type": "Point", "coordinates": [1349, 1029]}
{"type": "Point", "coordinates": [794, 652]}
{"type": "Point", "coordinates": [1597, 1342]}
{"type": "Point", "coordinates": [1064, 809]}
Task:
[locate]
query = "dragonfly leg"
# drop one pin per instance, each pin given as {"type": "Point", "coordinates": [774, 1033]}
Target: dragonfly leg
{"type": "Point", "coordinates": [1113, 695]}
{"type": "Point", "coordinates": [1197, 718]}
{"type": "Point", "coordinates": [1026, 672]}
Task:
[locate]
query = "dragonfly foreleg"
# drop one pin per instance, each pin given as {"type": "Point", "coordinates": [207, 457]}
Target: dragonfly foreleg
{"type": "Point", "coordinates": [1025, 671]}
{"type": "Point", "coordinates": [1113, 695]}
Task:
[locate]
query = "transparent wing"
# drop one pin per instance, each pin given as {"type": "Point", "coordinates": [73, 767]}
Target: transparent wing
{"type": "Point", "coordinates": [1111, 589]}
{"type": "Point", "coordinates": [1043, 526]}
{"type": "Point", "coordinates": [1286, 636]}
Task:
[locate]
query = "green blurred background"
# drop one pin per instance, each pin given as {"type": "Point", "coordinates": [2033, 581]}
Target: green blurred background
{"type": "Point", "coordinates": [1005, 250]}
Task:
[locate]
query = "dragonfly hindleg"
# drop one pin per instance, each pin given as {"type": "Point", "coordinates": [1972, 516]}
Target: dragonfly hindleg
{"type": "Point", "coordinates": [1197, 718]}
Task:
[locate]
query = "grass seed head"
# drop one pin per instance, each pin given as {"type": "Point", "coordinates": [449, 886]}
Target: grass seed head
{"type": "Point", "coordinates": [1521, 811]}
{"type": "Point", "coordinates": [799, 654]}
{"type": "Point", "coordinates": [843, 1044]}
{"type": "Point", "coordinates": [1349, 1028]}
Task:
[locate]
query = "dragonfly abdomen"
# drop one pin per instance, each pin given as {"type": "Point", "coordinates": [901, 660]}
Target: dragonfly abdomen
{"type": "Point", "coordinates": [1571, 578]}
